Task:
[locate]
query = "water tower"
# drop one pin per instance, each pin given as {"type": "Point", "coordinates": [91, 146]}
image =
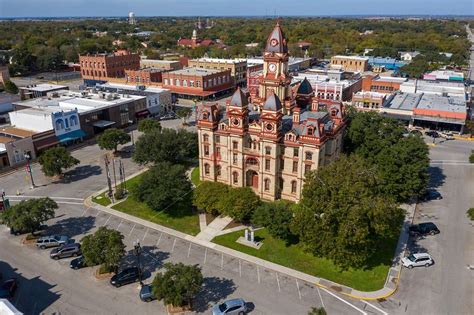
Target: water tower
{"type": "Point", "coordinates": [131, 18]}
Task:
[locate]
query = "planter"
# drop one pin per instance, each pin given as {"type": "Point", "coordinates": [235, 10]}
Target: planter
{"type": "Point", "coordinates": [178, 310]}
{"type": "Point", "coordinates": [102, 276]}
{"type": "Point", "coordinates": [26, 241]}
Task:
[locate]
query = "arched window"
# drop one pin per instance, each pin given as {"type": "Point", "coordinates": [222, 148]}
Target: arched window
{"type": "Point", "coordinates": [59, 124]}
{"type": "Point", "coordinates": [207, 169]}
{"type": "Point", "coordinates": [309, 155]}
{"type": "Point", "coordinates": [235, 177]}
{"type": "Point", "coordinates": [310, 131]}
{"type": "Point", "coordinates": [218, 170]}
{"type": "Point", "coordinates": [266, 184]}
{"type": "Point", "coordinates": [205, 115]}
{"type": "Point", "coordinates": [293, 187]}
{"type": "Point", "coordinates": [205, 138]}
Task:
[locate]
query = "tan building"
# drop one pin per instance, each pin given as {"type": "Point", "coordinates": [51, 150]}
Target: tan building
{"type": "Point", "coordinates": [269, 146]}
{"type": "Point", "coordinates": [14, 143]}
{"type": "Point", "coordinates": [4, 74]}
{"type": "Point", "coordinates": [366, 100]}
{"type": "Point", "coordinates": [237, 67]}
{"type": "Point", "coordinates": [166, 65]}
{"type": "Point", "coordinates": [350, 63]}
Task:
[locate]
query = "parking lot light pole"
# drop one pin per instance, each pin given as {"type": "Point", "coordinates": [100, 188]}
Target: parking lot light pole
{"type": "Point", "coordinates": [29, 169]}
{"type": "Point", "coordinates": [137, 251]}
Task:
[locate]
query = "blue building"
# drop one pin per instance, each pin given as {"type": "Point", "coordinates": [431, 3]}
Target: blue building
{"type": "Point", "coordinates": [386, 62]}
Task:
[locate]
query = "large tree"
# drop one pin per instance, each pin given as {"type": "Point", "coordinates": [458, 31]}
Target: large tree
{"type": "Point", "coordinates": [276, 217]}
{"type": "Point", "coordinates": [28, 215]}
{"type": "Point", "coordinates": [163, 185]}
{"type": "Point", "coordinates": [54, 160]}
{"type": "Point", "coordinates": [168, 145]}
{"type": "Point", "coordinates": [111, 138]}
{"type": "Point", "coordinates": [342, 216]}
{"type": "Point", "coordinates": [208, 195]}
{"type": "Point", "coordinates": [239, 203]}
{"type": "Point", "coordinates": [105, 247]}
{"type": "Point", "coordinates": [178, 284]}
{"type": "Point", "coordinates": [148, 124]}
{"type": "Point", "coordinates": [184, 113]}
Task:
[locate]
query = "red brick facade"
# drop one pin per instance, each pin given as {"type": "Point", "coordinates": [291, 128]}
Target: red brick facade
{"type": "Point", "coordinates": [143, 76]}
{"type": "Point", "coordinates": [376, 84]}
{"type": "Point", "coordinates": [103, 66]}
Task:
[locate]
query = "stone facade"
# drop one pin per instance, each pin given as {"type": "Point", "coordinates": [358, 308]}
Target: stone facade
{"type": "Point", "coordinates": [270, 143]}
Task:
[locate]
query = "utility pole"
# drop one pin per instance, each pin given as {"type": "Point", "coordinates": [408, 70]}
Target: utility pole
{"type": "Point", "coordinates": [115, 177]}
{"type": "Point", "coordinates": [28, 169]}
{"type": "Point", "coordinates": [107, 172]}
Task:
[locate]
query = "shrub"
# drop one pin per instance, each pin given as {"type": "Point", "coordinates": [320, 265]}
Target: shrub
{"type": "Point", "coordinates": [470, 213]}
{"type": "Point", "coordinates": [208, 195]}
{"type": "Point", "coordinates": [471, 157]}
{"type": "Point", "coordinates": [119, 193]}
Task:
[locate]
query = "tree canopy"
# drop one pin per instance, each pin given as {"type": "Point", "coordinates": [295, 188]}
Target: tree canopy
{"type": "Point", "coordinates": [342, 215]}
{"type": "Point", "coordinates": [163, 185]}
{"type": "Point", "coordinates": [208, 195]}
{"type": "Point", "coordinates": [54, 160]}
{"type": "Point", "coordinates": [168, 145]}
{"type": "Point", "coordinates": [10, 87]}
{"type": "Point", "coordinates": [104, 247]}
{"type": "Point", "coordinates": [148, 124]}
{"type": "Point", "coordinates": [28, 215]}
{"type": "Point", "coordinates": [276, 217]}
{"type": "Point", "coordinates": [111, 138]}
{"type": "Point", "coordinates": [239, 203]}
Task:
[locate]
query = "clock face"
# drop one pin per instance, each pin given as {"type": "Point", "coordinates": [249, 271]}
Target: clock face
{"type": "Point", "coordinates": [274, 42]}
{"type": "Point", "coordinates": [269, 127]}
{"type": "Point", "coordinates": [272, 67]}
{"type": "Point", "coordinates": [235, 122]}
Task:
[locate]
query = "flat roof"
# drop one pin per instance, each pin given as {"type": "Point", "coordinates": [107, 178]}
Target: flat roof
{"type": "Point", "coordinates": [133, 87]}
{"type": "Point", "coordinates": [436, 84]}
{"type": "Point", "coordinates": [220, 60]}
{"type": "Point", "coordinates": [4, 139]}
{"type": "Point", "coordinates": [197, 71]}
{"type": "Point", "coordinates": [17, 132]}
{"type": "Point", "coordinates": [159, 61]}
{"type": "Point", "coordinates": [391, 79]}
{"type": "Point", "coordinates": [410, 101]}
{"type": "Point", "coordinates": [44, 87]}
{"type": "Point", "coordinates": [321, 79]}
{"type": "Point", "coordinates": [351, 57]}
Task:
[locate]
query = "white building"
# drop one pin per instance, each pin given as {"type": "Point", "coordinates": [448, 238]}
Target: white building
{"type": "Point", "coordinates": [408, 55]}
{"type": "Point", "coordinates": [433, 87]}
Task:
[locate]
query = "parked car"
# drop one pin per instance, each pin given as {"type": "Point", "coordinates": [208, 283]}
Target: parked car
{"type": "Point", "coordinates": [168, 116]}
{"type": "Point", "coordinates": [424, 229]}
{"type": "Point", "coordinates": [230, 307]}
{"type": "Point", "coordinates": [8, 289]}
{"type": "Point", "coordinates": [417, 260]}
{"type": "Point", "coordinates": [67, 250]}
{"type": "Point", "coordinates": [447, 135]}
{"type": "Point", "coordinates": [52, 241]}
{"type": "Point", "coordinates": [146, 293]}
{"type": "Point", "coordinates": [431, 195]}
{"type": "Point", "coordinates": [432, 134]}
{"type": "Point", "coordinates": [126, 276]}
{"type": "Point", "coordinates": [77, 263]}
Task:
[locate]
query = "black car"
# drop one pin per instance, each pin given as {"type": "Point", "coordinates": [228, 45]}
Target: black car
{"type": "Point", "coordinates": [431, 195]}
{"type": "Point", "coordinates": [126, 276]}
{"type": "Point", "coordinates": [8, 288]}
{"type": "Point", "coordinates": [77, 263]}
{"type": "Point", "coordinates": [146, 293]}
{"type": "Point", "coordinates": [432, 133]}
{"type": "Point", "coordinates": [424, 229]}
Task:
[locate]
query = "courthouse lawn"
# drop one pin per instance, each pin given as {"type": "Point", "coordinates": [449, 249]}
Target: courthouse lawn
{"type": "Point", "coordinates": [294, 257]}
{"type": "Point", "coordinates": [102, 199]}
{"type": "Point", "coordinates": [195, 176]}
{"type": "Point", "coordinates": [179, 217]}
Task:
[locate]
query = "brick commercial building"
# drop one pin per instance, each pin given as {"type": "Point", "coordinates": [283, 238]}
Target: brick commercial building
{"type": "Point", "coordinates": [195, 41]}
{"type": "Point", "coordinates": [350, 63]}
{"type": "Point", "coordinates": [39, 90]}
{"type": "Point", "coordinates": [376, 83]}
{"type": "Point", "coordinates": [237, 67]}
{"type": "Point", "coordinates": [199, 83]}
{"type": "Point", "coordinates": [97, 68]}
{"type": "Point", "coordinates": [367, 100]}
{"type": "Point", "coordinates": [269, 146]}
{"type": "Point", "coordinates": [166, 65]}
{"type": "Point", "coordinates": [143, 76]}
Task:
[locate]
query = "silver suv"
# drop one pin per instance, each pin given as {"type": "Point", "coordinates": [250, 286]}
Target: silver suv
{"type": "Point", "coordinates": [52, 241]}
{"type": "Point", "coordinates": [417, 260]}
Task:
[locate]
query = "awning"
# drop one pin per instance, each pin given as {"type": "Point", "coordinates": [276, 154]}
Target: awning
{"type": "Point", "coordinates": [71, 136]}
{"type": "Point", "coordinates": [142, 113]}
{"type": "Point", "coordinates": [103, 123]}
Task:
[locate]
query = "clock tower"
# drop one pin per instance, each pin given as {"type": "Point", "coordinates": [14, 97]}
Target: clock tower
{"type": "Point", "coordinates": [276, 79]}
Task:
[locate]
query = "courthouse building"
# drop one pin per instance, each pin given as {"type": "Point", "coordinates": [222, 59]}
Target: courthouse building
{"type": "Point", "coordinates": [270, 142]}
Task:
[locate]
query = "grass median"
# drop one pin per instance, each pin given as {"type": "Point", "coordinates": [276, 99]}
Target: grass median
{"type": "Point", "coordinates": [294, 257]}
{"type": "Point", "coordinates": [180, 217]}
{"type": "Point", "coordinates": [102, 199]}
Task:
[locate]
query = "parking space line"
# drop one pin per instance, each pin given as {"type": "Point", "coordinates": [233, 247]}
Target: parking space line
{"type": "Point", "coordinates": [222, 261]}
{"type": "Point", "coordinates": [107, 221]}
{"type": "Point", "coordinates": [189, 249]}
{"type": "Point", "coordinates": [174, 243]}
{"type": "Point", "coordinates": [258, 275]}
{"type": "Point", "coordinates": [278, 282]}
{"type": "Point", "coordinates": [159, 239]}
{"type": "Point", "coordinates": [205, 256]}
{"type": "Point", "coordinates": [320, 297]}
{"type": "Point", "coordinates": [344, 301]}
{"type": "Point", "coordinates": [378, 309]}
{"type": "Point", "coordinates": [118, 227]}
{"type": "Point", "coordinates": [84, 213]}
{"type": "Point", "coordinates": [146, 232]}
{"type": "Point", "coordinates": [133, 227]}
{"type": "Point", "coordinates": [298, 286]}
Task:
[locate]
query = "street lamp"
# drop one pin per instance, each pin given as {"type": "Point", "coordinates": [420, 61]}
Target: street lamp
{"type": "Point", "coordinates": [28, 168]}
{"type": "Point", "coordinates": [137, 250]}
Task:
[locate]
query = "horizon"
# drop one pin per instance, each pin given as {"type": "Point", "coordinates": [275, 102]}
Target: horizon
{"type": "Point", "coordinates": [30, 9]}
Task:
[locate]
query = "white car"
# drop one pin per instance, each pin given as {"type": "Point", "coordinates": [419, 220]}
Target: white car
{"type": "Point", "coordinates": [417, 260]}
{"type": "Point", "coordinates": [447, 135]}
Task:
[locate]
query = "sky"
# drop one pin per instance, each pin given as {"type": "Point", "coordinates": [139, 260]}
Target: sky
{"type": "Point", "coordinates": [60, 8]}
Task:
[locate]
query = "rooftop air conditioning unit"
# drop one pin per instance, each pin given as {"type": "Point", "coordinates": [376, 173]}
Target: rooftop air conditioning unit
{"type": "Point", "coordinates": [110, 97]}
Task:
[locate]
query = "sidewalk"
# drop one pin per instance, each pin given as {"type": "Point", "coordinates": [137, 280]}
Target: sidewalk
{"type": "Point", "coordinates": [214, 228]}
{"type": "Point", "coordinates": [389, 288]}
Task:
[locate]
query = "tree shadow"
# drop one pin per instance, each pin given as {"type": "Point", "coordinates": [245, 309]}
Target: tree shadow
{"type": "Point", "coordinates": [414, 245]}
{"type": "Point", "coordinates": [151, 259]}
{"type": "Point", "coordinates": [81, 172]}
{"type": "Point", "coordinates": [437, 177]}
{"type": "Point", "coordinates": [214, 290]}
{"type": "Point", "coordinates": [28, 288]}
{"type": "Point", "coordinates": [72, 226]}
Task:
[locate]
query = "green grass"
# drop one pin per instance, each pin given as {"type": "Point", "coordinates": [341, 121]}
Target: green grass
{"type": "Point", "coordinates": [181, 217]}
{"type": "Point", "coordinates": [294, 257]}
{"type": "Point", "coordinates": [102, 199]}
{"type": "Point", "coordinates": [195, 176]}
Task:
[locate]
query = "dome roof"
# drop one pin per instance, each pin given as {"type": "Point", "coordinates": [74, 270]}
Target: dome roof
{"type": "Point", "coordinates": [238, 99]}
{"type": "Point", "coordinates": [276, 41]}
{"type": "Point", "coordinates": [305, 87]}
{"type": "Point", "coordinates": [272, 103]}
